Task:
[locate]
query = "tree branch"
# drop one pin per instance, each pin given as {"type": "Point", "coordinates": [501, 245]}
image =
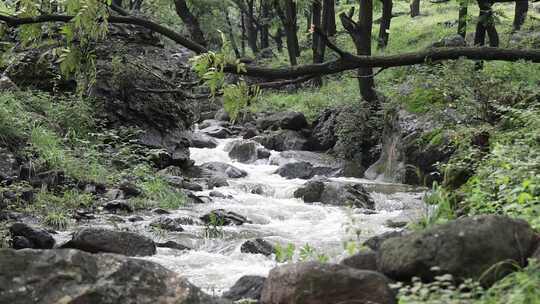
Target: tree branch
{"type": "Point", "coordinates": [351, 62]}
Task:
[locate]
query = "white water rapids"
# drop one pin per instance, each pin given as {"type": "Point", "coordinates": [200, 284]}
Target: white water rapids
{"type": "Point", "coordinates": [216, 263]}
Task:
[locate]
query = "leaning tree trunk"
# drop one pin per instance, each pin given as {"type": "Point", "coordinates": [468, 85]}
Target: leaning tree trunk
{"type": "Point", "coordinates": [486, 24]}
{"type": "Point", "coordinates": [522, 7]}
{"type": "Point", "coordinates": [462, 18]}
{"type": "Point", "coordinates": [384, 30]}
{"type": "Point", "coordinates": [415, 8]}
{"type": "Point", "coordinates": [360, 32]}
{"type": "Point", "coordinates": [191, 22]}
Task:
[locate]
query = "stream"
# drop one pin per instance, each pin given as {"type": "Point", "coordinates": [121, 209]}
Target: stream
{"type": "Point", "coordinates": [215, 264]}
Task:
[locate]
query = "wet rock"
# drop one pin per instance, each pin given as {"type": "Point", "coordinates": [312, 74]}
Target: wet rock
{"type": "Point", "coordinates": [96, 240]}
{"type": "Point", "coordinates": [118, 206]}
{"type": "Point", "coordinates": [192, 198]}
{"type": "Point", "coordinates": [374, 242]}
{"type": "Point", "coordinates": [285, 120]}
{"type": "Point", "coordinates": [247, 287]}
{"type": "Point", "coordinates": [464, 248]}
{"type": "Point", "coordinates": [114, 194]}
{"type": "Point", "coordinates": [324, 135]}
{"type": "Point", "coordinates": [282, 140]}
{"type": "Point", "coordinates": [168, 224]}
{"type": "Point", "coordinates": [395, 224]}
{"type": "Point", "coordinates": [217, 194]}
{"type": "Point", "coordinates": [160, 211]}
{"type": "Point", "coordinates": [36, 237]}
{"type": "Point", "coordinates": [323, 164]}
{"type": "Point", "coordinates": [366, 260]}
{"type": "Point", "coordinates": [335, 193]}
{"type": "Point", "coordinates": [260, 189]}
{"type": "Point", "coordinates": [220, 217]}
{"type": "Point", "coordinates": [217, 132]}
{"type": "Point", "coordinates": [72, 276]}
{"type": "Point", "coordinates": [222, 115]}
{"type": "Point", "coordinates": [116, 219]}
{"type": "Point", "coordinates": [404, 153]}
{"type": "Point", "coordinates": [20, 242]}
{"type": "Point", "coordinates": [257, 246]}
{"type": "Point", "coordinates": [243, 151]}
{"type": "Point", "coordinates": [303, 170]}
{"type": "Point", "coordinates": [172, 245]}
{"type": "Point", "coordinates": [8, 165]}
{"type": "Point", "coordinates": [7, 85]}
{"type": "Point", "coordinates": [223, 170]}
{"type": "Point", "coordinates": [250, 133]}
{"type": "Point", "coordinates": [180, 182]}
{"type": "Point", "coordinates": [213, 123]}
{"type": "Point", "coordinates": [316, 283]}
{"type": "Point", "coordinates": [130, 190]}
{"type": "Point", "coordinates": [216, 182]}
{"type": "Point", "coordinates": [135, 219]}
{"type": "Point", "coordinates": [201, 140]}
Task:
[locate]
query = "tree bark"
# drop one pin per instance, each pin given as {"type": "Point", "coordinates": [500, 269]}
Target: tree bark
{"type": "Point", "coordinates": [462, 18]}
{"type": "Point", "coordinates": [360, 32]}
{"type": "Point", "coordinates": [522, 7]}
{"type": "Point", "coordinates": [288, 18]}
{"type": "Point", "coordinates": [329, 17]}
{"type": "Point", "coordinates": [265, 28]}
{"type": "Point", "coordinates": [415, 8]}
{"type": "Point", "coordinates": [486, 24]}
{"type": "Point", "coordinates": [251, 29]}
{"type": "Point", "coordinates": [231, 35]}
{"type": "Point", "coordinates": [191, 22]}
{"type": "Point", "coordinates": [385, 24]}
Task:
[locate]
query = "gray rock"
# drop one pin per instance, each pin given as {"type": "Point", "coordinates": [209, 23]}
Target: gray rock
{"type": "Point", "coordinates": [316, 283]}
{"type": "Point", "coordinates": [172, 245]}
{"type": "Point", "coordinates": [285, 120]}
{"type": "Point", "coordinates": [282, 140]}
{"type": "Point", "coordinates": [222, 115]}
{"type": "Point", "coordinates": [34, 237]}
{"type": "Point", "coordinates": [119, 205]}
{"type": "Point", "coordinates": [96, 240]}
{"type": "Point", "coordinates": [7, 85]}
{"type": "Point", "coordinates": [374, 243]}
{"type": "Point", "coordinates": [247, 287]}
{"type": "Point", "coordinates": [201, 140]}
{"type": "Point", "coordinates": [217, 132]}
{"type": "Point", "coordinates": [335, 193]}
{"type": "Point", "coordinates": [243, 151]}
{"type": "Point", "coordinates": [303, 170]}
{"type": "Point", "coordinates": [168, 224]}
{"type": "Point", "coordinates": [221, 217]}
{"type": "Point", "coordinates": [217, 169]}
{"type": "Point", "coordinates": [366, 260]}
{"type": "Point", "coordinates": [257, 246]}
{"type": "Point", "coordinates": [72, 276]}
{"type": "Point", "coordinates": [464, 248]}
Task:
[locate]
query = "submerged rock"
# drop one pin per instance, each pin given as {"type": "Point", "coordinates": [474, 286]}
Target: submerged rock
{"type": "Point", "coordinates": [257, 246]}
{"type": "Point", "coordinates": [335, 193]}
{"type": "Point", "coordinates": [315, 283]}
{"type": "Point", "coordinates": [172, 245]}
{"type": "Point", "coordinates": [465, 248]}
{"type": "Point", "coordinates": [223, 170]}
{"type": "Point", "coordinates": [247, 287]}
{"type": "Point", "coordinates": [25, 236]}
{"type": "Point", "coordinates": [168, 224]}
{"type": "Point", "coordinates": [303, 170]}
{"type": "Point", "coordinates": [246, 151]}
{"type": "Point", "coordinates": [96, 240]}
{"type": "Point", "coordinates": [72, 276]}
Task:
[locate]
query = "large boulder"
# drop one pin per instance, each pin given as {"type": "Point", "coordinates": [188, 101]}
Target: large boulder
{"type": "Point", "coordinates": [366, 260]}
{"type": "Point", "coordinates": [323, 163]}
{"type": "Point", "coordinates": [96, 240]}
{"type": "Point", "coordinates": [282, 140]}
{"type": "Point", "coordinates": [335, 193]}
{"type": "Point", "coordinates": [246, 288]}
{"type": "Point", "coordinates": [72, 276]}
{"type": "Point", "coordinates": [25, 236]}
{"type": "Point", "coordinates": [285, 120]}
{"type": "Point", "coordinates": [302, 170]}
{"type": "Point", "coordinates": [246, 151]}
{"type": "Point", "coordinates": [201, 140]}
{"type": "Point", "coordinates": [465, 248]}
{"type": "Point", "coordinates": [315, 283]}
{"type": "Point", "coordinates": [412, 145]}
{"type": "Point", "coordinates": [374, 242]}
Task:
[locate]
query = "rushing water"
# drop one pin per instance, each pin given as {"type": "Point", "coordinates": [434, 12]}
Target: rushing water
{"type": "Point", "coordinates": [216, 263]}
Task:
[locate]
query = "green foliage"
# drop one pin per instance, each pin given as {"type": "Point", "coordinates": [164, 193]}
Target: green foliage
{"type": "Point", "coordinates": [237, 97]}
{"type": "Point", "coordinates": [214, 229]}
{"type": "Point", "coordinates": [284, 254]}
{"type": "Point", "coordinates": [520, 287]}
{"type": "Point", "coordinates": [156, 190]}
{"type": "Point", "coordinates": [440, 209]}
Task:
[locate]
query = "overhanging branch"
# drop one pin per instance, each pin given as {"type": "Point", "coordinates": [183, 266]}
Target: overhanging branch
{"type": "Point", "coordinates": [349, 62]}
